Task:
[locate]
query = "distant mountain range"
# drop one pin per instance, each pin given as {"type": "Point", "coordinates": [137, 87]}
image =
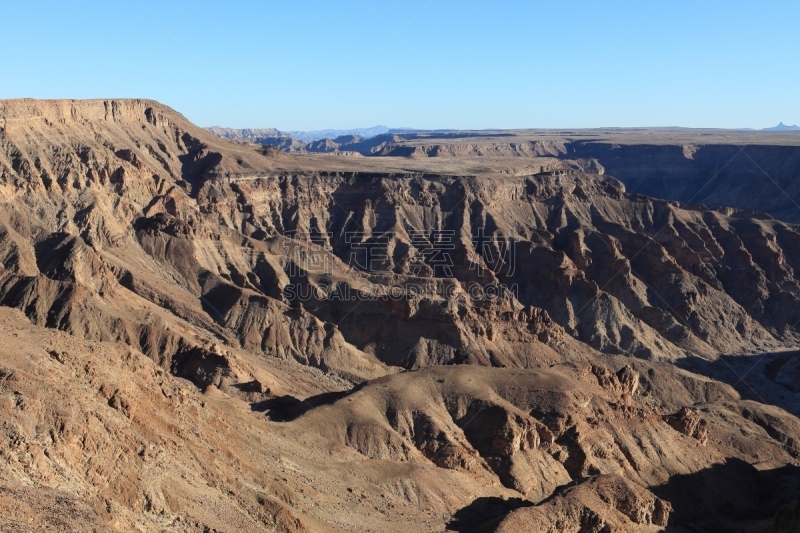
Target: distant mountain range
{"type": "Point", "coordinates": [262, 134]}
{"type": "Point", "coordinates": [782, 127]}
{"type": "Point", "coordinates": [364, 133]}
{"type": "Point", "coordinates": [248, 133]}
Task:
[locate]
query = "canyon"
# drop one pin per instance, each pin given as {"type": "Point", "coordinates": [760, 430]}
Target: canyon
{"type": "Point", "coordinates": [497, 331]}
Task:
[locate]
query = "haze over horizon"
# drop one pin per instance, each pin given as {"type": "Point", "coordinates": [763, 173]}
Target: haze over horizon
{"type": "Point", "coordinates": [432, 64]}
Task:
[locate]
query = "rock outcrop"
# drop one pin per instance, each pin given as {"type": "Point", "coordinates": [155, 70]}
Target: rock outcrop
{"type": "Point", "coordinates": [605, 503]}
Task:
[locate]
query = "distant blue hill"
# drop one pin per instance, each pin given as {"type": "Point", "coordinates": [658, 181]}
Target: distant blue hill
{"type": "Point", "coordinates": [365, 133]}
{"type": "Point", "coordinates": [782, 127]}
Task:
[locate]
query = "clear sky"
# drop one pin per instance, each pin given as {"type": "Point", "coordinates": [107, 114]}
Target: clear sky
{"type": "Point", "coordinates": [305, 65]}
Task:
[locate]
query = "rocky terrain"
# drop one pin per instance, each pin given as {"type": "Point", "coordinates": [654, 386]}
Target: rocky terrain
{"type": "Point", "coordinates": [199, 334]}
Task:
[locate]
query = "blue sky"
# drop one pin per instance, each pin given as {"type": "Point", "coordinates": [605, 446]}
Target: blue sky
{"type": "Point", "coordinates": [304, 65]}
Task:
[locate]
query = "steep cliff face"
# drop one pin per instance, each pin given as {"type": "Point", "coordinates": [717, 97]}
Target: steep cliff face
{"type": "Point", "coordinates": [754, 177]}
{"type": "Point", "coordinates": [620, 272]}
{"type": "Point", "coordinates": [755, 171]}
{"type": "Point", "coordinates": [66, 146]}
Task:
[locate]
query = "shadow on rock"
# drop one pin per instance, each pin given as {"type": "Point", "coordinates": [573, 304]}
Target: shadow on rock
{"type": "Point", "coordinates": [484, 514]}
{"type": "Point", "coordinates": [287, 408]}
{"type": "Point", "coordinates": [728, 496]}
{"type": "Point", "coordinates": [765, 378]}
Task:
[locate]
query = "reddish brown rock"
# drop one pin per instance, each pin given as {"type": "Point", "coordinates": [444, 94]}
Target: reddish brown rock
{"type": "Point", "coordinates": [691, 423]}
